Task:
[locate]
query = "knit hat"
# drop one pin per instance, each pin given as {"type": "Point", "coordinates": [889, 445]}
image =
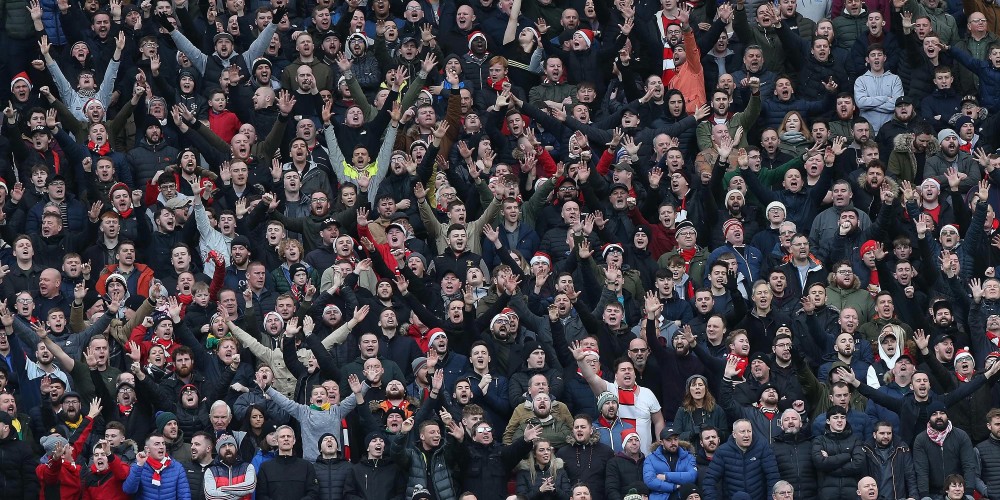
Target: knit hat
{"type": "Point", "coordinates": [963, 353]}
{"type": "Point", "coordinates": [962, 120]}
{"type": "Point", "coordinates": [417, 363]}
{"type": "Point", "coordinates": [371, 436]}
{"type": "Point", "coordinates": [946, 133]}
{"type": "Point", "coordinates": [694, 377]}
{"type": "Point", "coordinates": [730, 225]}
{"type": "Point", "coordinates": [685, 224]}
{"type": "Point", "coordinates": [777, 204]}
{"type": "Point", "coordinates": [423, 260]}
{"type": "Point", "coordinates": [588, 36]}
{"type": "Point", "coordinates": [224, 440]}
{"type": "Point", "coordinates": [868, 246]}
{"type": "Point", "coordinates": [118, 186]}
{"type": "Point", "coordinates": [18, 77]}
{"type": "Point", "coordinates": [739, 193]}
{"type": "Point", "coordinates": [476, 34]}
{"type": "Point", "coordinates": [115, 277]}
{"type": "Point", "coordinates": [319, 443]}
{"type": "Point", "coordinates": [687, 490]}
{"type": "Point", "coordinates": [159, 317]}
{"type": "Point", "coordinates": [419, 493]}
{"type": "Point", "coordinates": [240, 240]}
{"type": "Point", "coordinates": [260, 61]}
{"type": "Point", "coordinates": [281, 320]}
{"type": "Point", "coordinates": [162, 419]}
{"type": "Point", "coordinates": [51, 442]}
{"type": "Point", "coordinates": [936, 406]}
{"type": "Point", "coordinates": [297, 268]}
{"type": "Point", "coordinates": [629, 433]}
{"type": "Point", "coordinates": [604, 397]}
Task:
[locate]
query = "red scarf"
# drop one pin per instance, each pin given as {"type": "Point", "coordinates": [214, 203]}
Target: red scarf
{"type": "Point", "coordinates": [125, 214]}
{"type": "Point", "coordinates": [627, 396]}
{"type": "Point", "coordinates": [157, 468]}
{"type": "Point", "coordinates": [102, 150]}
{"type": "Point", "coordinates": [668, 52]}
{"type": "Point", "coordinates": [125, 409]}
{"type": "Point", "coordinates": [741, 363]}
{"type": "Point", "coordinates": [497, 85]}
{"type": "Point", "coordinates": [345, 438]}
{"type": "Point", "coordinates": [938, 436]}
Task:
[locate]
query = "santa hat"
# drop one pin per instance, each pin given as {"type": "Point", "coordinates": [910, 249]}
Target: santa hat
{"type": "Point", "coordinates": [592, 353]}
{"type": "Point", "coordinates": [730, 225]}
{"type": "Point", "coordinates": [20, 76]}
{"type": "Point", "coordinates": [476, 34]}
{"type": "Point", "coordinates": [496, 318]}
{"type": "Point", "coordinates": [281, 321]}
{"type": "Point", "coordinates": [91, 102]}
{"type": "Point", "coordinates": [931, 180]}
{"type": "Point", "coordinates": [509, 312]}
{"type": "Point", "coordinates": [534, 34]}
{"type": "Point", "coordinates": [333, 307]}
{"type": "Point", "coordinates": [437, 333]}
{"type": "Point", "coordinates": [3, 184]}
{"type": "Point", "coordinates": [963, 353]}
{"type": "Point", "coordinates": [541, 257]}
{"type": "Point", "coordinates": [627, 434]}
{"type": "Point", "coordinates": [588, 36]}
{"type": "Point", "coordinates": [953, 227]}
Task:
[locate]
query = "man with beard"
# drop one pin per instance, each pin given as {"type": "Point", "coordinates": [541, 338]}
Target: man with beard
{"type": "Point", "coordinates": [677, 362]}
{"type": "Point", "coordinates": [950, 156]}
{"type": "Point", "coordinates": [638, 405]}
{"type": "Point", "coordinates": [609, 426]}
{"type": "Point", "coordinates": [229, 477]}
{"type": "Point", "coordinates": [793, 452]}
{"type": "Point", "coordinates": [722, 114]}
{"type": "Point", "coordinates": [669, 466]}
{"type": "Point", "coordinates": [761, 413]}
{"type": "Point", "coordinates": [396, 401]}
{"type": "Point", "coordinates": [943, 450]}
{"type": "Point", "coordinates": [540, 413]}
{"type": "Point", "coordinates": [586, 457]}
{"type": "Point", "coordinates": [890, 463]}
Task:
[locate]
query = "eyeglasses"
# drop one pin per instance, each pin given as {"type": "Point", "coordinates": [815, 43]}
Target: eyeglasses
{"type": "Point", "coordinates": [567, 188]}
{"type": "Point", "coordinates": [25, 301]}
{"type": "Point", "coordinates": [319, 200]}
{"type": "Point", "coordinates": [484, 430]}
{"type": "Point", "coordinates": [845, 272]}
{"type": "Point", "coordinates": [977, 20]}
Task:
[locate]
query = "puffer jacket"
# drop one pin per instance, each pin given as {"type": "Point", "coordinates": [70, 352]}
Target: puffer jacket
{"type": "Point", "coordinates": [530, 477]}
{"type": "Point", "coordinates": [842, 465]}
{"type": "Point", "coordinates": [686, 472]}
{"type": "Point", "coordinates": [753, 471]}
{"type": "Point", "coordinates": [622, 472]}
{"type": "Point", "coordinates": [793, 452]}
{"type": "Point", "coordinates": [902, 483]}
{"type": "Point", "coordinates": [440, 461]}
{"type": "Point", "coordinates": [52, 22]}
{"type": "Point", "coordinates": [18, 23]}
{"type": "Point", "coordinates": [17, 469]}
{"type": "Point", "coordinates": [989, 459]}
{"type": "Point", "coordinates": [147, 159]}
{"type": "Point", "coordinates": [173, 483]}
{"type": "Point", "coordinates": [375, 479]}
{"type": "Point", "coordinates": [934, 463]}
{"type": "Point", "coordinates": [849, 28]}
{"type": "Point", "coordinates": [332, 474]}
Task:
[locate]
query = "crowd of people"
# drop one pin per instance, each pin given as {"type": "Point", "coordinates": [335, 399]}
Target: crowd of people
{"type": "Point", "coordinates": [491, 249]}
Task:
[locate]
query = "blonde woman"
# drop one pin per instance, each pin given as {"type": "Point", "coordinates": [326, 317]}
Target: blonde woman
{"type": "Point", "coordinates": [794, 135]}
{"type": "Point", "coordinates": [541, 476]}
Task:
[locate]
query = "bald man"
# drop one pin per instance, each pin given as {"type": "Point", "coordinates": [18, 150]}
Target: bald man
{"type": "Point", "coordinates": [49, 296]}
{"type": "Point", "coordinates": [868, 488]}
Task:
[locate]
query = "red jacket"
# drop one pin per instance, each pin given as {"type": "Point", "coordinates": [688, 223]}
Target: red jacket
{"type": "Point", "coordinates": [106, 485]}
{"type": "Point", "coordinates": [142, 286]}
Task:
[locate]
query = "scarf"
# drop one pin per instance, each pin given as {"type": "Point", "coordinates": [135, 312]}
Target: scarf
{"type": "Point", "coordinates": [322, 407]}
{"type": "Point", "coordinates": [346, 439]}
{"type": "Point", "coordinates": [741, 363]}
{"type": "Point", "coordinates": [668, 52]}
{"type": "Point", "coordinates": [497, 85]}
{"type": "Point", "coordinates": [74, 425]}
{"type": "Point", "coordinates": [125, 409]}
{"type": "Point", "coordinates": [157, 468]}
{"type": "Point", "coordinates": [938, 436]}
{"type": "Point", "coordinates": [793, 137]}
{"type": "Point", "coordinates": [768, 412]}
{"type": "Point", "coordinates": [101, 150]}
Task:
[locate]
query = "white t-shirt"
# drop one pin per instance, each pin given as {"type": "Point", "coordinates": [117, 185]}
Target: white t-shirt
{"type": "Point", "coordinates": [638, 414]}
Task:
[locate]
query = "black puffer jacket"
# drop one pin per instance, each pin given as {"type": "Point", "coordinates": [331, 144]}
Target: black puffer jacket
{"type": "Point", "coordinates": [841, 467]}
{"type": "Point", "coordinates": [989, 458]}
{"type": "Point", "coordinates": [17, 469]}
{"type": "Point", "coordinates": [794, 455]}
{"type": "Point", "coordinates": [146, 159]}
{"type": "Point", "coordinates": [586, 463]}
{"type": "Point", "coordinates": [332, 474]}
{"type": "Point", "coordinates": [375, 479]}
{"type": "Point", "coordinates": [415, 463]}
{"type": "Point", "coordinates": [623, 471]}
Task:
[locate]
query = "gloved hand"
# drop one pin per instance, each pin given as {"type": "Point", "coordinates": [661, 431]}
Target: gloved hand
{"type": "Point", "coordinates": [164, 21]}
{"type": "Point", "coordinates": [278, 14]}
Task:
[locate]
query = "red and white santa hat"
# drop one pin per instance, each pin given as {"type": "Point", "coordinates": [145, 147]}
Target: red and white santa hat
{"type": "Point", "coordinates": [963, 353]}
{"type": "Point", "coordinates": [540, 257]}
{"type": "Point", "coordinates": [588, 36]}
{"type": "Point", "coordinates": [20, 76]}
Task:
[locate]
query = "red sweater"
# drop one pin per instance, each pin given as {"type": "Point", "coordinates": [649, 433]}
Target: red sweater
{"type": "Point", "coordinates": [224, 124]}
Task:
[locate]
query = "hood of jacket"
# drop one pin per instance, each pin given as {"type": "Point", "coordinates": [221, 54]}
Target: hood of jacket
{"type": "Point", "coordinates": [904, 144]}
{"type": "Point", "coordinates": [592, 440]}
{"type": "Point", "coordinates": [555, 465]}
{"type": "Point", "coordinates": [888, 180]}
